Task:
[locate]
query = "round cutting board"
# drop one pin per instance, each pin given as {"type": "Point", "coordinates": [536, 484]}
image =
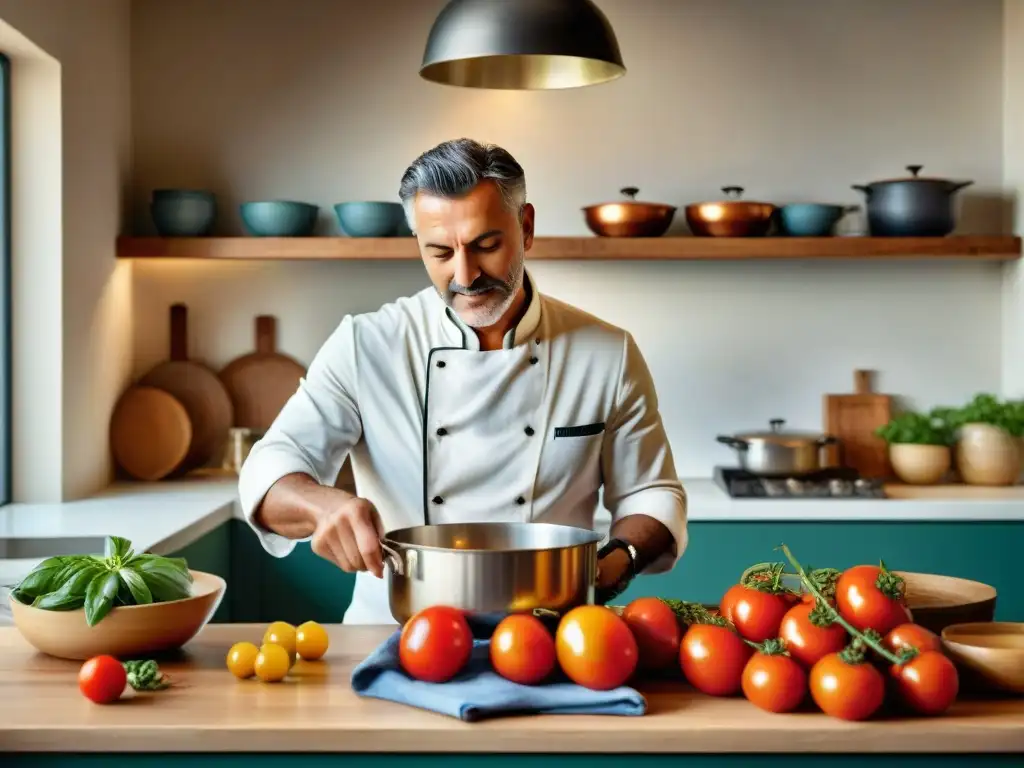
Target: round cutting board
{"type": "Point", "coordinates": [260, 383]}
{"type": "Point", "coordinates": [198, 389]}
{"type": "Point", "coordinates": [150, 433]}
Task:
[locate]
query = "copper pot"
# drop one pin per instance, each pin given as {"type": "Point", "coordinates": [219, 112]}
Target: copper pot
{"type": "Point", "coordinates": [629, 218]}
{"type": "Point", "coordinates": [730, 218]}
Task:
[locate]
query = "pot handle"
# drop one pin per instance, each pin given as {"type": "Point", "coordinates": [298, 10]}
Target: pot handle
{"type": "Point", "coordinates": [862, 188]}
{"type": "Point", "coordinates": [827, 440]}
{"type": "Point", "coordinates": [733, 442]}
{"type": "Point", "coordinates": [392, 559]}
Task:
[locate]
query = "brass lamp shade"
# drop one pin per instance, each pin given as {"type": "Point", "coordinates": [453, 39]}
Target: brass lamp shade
{"type": "Point", "coordinates": [521, 45]}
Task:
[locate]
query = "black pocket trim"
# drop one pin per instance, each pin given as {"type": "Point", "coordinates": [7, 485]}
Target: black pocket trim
{"type": "Point", "coordinates": [584, 430]}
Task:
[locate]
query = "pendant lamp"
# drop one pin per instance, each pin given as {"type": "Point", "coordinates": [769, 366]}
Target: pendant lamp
{"type": "Point", "coordinates": [521, 45]}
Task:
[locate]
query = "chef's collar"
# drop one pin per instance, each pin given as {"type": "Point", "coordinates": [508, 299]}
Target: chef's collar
{"type": "Point", "coordinates": [519, 334]}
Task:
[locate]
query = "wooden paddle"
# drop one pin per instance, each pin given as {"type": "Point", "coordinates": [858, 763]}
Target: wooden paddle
{"type": "Point", "coordinates": [198, 389]}
{"type": "Point", "coordinates": [150, 433]}
{"type": "Point", "coordinates": [260, 383]}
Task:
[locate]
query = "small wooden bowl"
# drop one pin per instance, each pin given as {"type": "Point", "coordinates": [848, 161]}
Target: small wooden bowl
{"type": "Point", "coordinates": [993, 651]}
{"type": "Point", "coordinates": [939, 601]}
{"type": "Point", "coordinates": [128, 631]}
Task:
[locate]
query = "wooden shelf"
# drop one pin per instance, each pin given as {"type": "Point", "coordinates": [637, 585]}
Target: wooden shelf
{"type": "Point", "coordinates": [967, 247]}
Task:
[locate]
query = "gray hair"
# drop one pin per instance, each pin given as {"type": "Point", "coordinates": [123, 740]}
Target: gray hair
{"type": "Point", "coordinates": [453, 168]}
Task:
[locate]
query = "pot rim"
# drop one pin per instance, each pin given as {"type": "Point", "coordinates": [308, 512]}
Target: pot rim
{"type": "Point", "coordinates": [913, 178]}
{"type": "Point", "coordinates": [659, 207]}
{"type": "Point", "coordinates": [388, 540]}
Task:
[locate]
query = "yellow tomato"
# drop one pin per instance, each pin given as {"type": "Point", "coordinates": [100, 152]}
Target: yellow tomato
{"type": "Point", "coordinates": [242, 660]}
{"type": "Point", "coordinates": [311, 641]}
{"type": "Point", "coordinates": [272, 663]}
{"type": "Point", "coordinates": [281, 633]}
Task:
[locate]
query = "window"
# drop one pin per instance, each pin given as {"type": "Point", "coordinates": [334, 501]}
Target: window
{"type": "Point", "coordinates": [6, 291]}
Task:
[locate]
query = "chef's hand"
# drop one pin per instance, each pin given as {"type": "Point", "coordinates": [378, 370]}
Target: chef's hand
{"type": "Point", "coordinates": [348, 534]}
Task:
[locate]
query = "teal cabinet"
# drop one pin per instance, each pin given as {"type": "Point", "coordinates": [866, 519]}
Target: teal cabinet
{"type": "Point", "coordinates": [303, 587]}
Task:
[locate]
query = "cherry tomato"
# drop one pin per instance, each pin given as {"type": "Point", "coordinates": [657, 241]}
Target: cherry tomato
{"type": "Point", "coordinates": [805, 640]}
{"type": "Point", "coordinates": [755, 614]}
{"type": "Point", "coordinates": [774, 682]}
{"type": "Point", "coordinates": [435, 644]}
{"type": "Point", "coordinates": [913, 635]}
{"type": "Point", "coordinates": [522, 649]}
{"type": "Point", "coordinates": [595, 647]}
{"type": "Point", "coordinates": [311, 641]}
{"type": "Point", "coordinates": [656, 629]}
{"type": "Point", "coordinates": [928, 683]}
{"type": "Point", "coordinates": [844, 690]}
{"type": "Point", "coordinates": [864, 605]}
{"type": "Point", "coordinates": [102, 679]}
{"type": "Point", "coordinates": [712, 659]}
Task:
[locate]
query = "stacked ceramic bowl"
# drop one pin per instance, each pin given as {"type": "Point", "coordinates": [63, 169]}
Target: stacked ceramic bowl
{"type": "Point", "coordinates": [183, 212]}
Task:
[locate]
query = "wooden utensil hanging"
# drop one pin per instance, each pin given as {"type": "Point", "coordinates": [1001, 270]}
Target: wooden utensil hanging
{"type": "Point", "coordinates": [853, 419]}
{"type": "Point", "coordinates": [260, 382]}
{"type": "Point", "coordinates": [198, 389]}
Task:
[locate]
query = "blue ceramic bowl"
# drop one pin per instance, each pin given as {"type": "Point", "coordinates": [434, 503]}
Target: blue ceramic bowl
{"type": "Point", "coordinates": [183, 212]}
{"type": "Point", "coordinates": [279, 218]}
{"type": "Point", "coordinates": [809, 219]}
{"type": "Point", "coordinates": [371, 219]}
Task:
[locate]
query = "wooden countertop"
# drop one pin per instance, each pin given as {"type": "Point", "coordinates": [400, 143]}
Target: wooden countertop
{"type": "Point", "coordinates": [315, 710]}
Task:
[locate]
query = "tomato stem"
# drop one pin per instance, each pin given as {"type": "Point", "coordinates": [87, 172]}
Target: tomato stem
{"type": "Point", "coordinates": [865, 639]}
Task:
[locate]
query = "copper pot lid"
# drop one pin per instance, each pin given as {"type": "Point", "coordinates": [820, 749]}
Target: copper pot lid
{"type": "Point", "coordinates": [630, 194]}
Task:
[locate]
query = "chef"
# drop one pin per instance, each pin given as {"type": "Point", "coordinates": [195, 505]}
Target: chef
{"type": "Point", "coordinates": [477, 399]}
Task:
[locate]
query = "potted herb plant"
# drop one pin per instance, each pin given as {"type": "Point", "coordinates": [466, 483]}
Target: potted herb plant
{"type": "Point", "coordinates": [918, 447]}
{"type": "Point", "coordinates": [989, 445]}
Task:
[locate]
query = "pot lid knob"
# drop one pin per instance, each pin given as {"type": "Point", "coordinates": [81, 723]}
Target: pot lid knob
{"type": "Point", "coordinates": [915, 169]}
{"type": "Point", "coordinates": [776, 424]}
{"type": "Point", "coordinates": [630, 192]}
{"type": "Point", "coordinates": [730, 191]}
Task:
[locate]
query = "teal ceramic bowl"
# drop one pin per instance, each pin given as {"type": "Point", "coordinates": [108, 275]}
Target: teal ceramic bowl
{"type": "Point", "coordinates": [372, 219]}
{"type": "Point", "coordinates": [183, 212]}
{"type": "Point", "coordinates": [809, 219]}
{"type": "Point", "coordinates": [279, 218]}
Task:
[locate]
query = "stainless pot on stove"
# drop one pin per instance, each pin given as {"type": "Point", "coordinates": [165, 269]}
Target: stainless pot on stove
{"type": "Point", "coordinates": [778, 452]}
{"type": "Point", "coordinates": [490, 568]}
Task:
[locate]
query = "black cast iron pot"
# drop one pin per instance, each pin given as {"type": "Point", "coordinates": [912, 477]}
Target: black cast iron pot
{"type": "Point", "coordinates": [911, 207]}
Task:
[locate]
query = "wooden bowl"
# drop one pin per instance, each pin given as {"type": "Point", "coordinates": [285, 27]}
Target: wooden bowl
{"type": "Point", "coordinates": [939, 601]}
{"type": "Point", "coordinates": [993, 651]}
{"type": "Point", "coordinates": [128, 631]}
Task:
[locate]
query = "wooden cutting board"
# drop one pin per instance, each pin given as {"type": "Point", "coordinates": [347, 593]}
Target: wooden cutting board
{"type": "Point", "coordinates": [150, 433]}
{"type": "Point", "coordinates": [853, 419]}
{"type": "Point", "coordinates": [199, 389]}
{"type": "Point", "coordinates": [260, 383]}
{"type": "Point", "coordinates": [954, 491]}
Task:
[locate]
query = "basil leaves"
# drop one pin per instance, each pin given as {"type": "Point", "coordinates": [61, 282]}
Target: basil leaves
{"type": "Point", "coordinates": [100, 583]}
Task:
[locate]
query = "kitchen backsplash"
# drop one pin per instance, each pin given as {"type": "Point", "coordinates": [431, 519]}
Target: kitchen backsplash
{"type": "Point", "coordinates": [320, 101]}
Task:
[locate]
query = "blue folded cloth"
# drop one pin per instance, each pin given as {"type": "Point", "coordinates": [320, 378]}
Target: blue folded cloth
{"type": "Point", "coordinates": [478, 692]}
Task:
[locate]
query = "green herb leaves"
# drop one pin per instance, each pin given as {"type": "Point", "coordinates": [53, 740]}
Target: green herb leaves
{"type": "Point", "coordinates": [100, 583]}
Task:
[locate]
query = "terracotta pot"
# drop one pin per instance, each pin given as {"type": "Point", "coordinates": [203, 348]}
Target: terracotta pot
{"type": "Point", "coordinates": [920, 464]}
{"type": "Point", "coordinates": [988, 455]}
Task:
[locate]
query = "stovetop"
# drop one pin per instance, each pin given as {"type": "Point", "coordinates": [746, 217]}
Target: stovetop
{"type": "Point", "coordinates": [835, 483]}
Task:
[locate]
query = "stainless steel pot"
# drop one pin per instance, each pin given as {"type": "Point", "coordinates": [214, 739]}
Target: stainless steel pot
{"type": "Point", "coordinates": [490, 568]}
{"type": "Point", "coordinates": [911, 207]}
{"type": "Point", "coordinates": [777, 452]}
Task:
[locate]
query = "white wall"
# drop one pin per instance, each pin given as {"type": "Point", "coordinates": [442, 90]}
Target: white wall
{"type": "Point", "coordinates": [72, 325]}
{"type": "Point", "coordinates": [1013, 178]}
{"type": "Point", "coordinates": [319, 100]}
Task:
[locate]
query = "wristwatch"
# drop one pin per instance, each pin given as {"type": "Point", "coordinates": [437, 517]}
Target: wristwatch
{"type": "Point", "coordinates": [604, 594]}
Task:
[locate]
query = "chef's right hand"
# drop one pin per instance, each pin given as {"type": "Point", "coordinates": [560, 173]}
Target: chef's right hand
{"type": "Point", "coordinates": [348, 534]}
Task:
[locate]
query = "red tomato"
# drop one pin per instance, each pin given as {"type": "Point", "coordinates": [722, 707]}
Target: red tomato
{"type": "Point", "coordinates": [755, 614]}
{"type": "Point", "coordinates": [712, 659]}
{"type": "Point", "coordinates": [435, 644]}
{"type": "Point", "coordinates": [774, 682]}
{"type": "Point", "coordinates": [656, 629]}
{"type": "Point", "coordinates": [864, 605]}
{"type": "Point", "coordinates": [928, 683]}
{"type": "Point", "coordinates": [522, 649]}
{"type": "Point", "coordinates": [912, 635]}
{"type": "Point", "coordinates": [595, 647]}
{"type": "Point", "coordinates": [102, 679]}
{"type": "Point", "coordinates": [844, 690]}
{"type": "Point", "coordinates": [806, 641]}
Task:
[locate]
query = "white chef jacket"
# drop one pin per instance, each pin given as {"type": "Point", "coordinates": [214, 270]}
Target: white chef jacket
{"type": "Point", "coordinates": [439, 431]}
